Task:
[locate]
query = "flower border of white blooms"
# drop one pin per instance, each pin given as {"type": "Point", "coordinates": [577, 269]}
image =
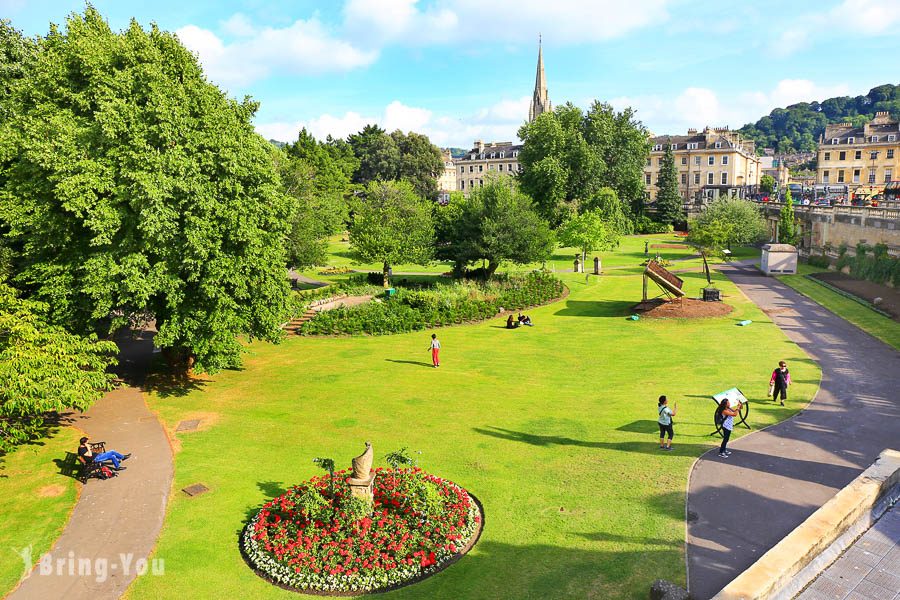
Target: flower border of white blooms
{"type": "Point", "coordinates": [269, 567]}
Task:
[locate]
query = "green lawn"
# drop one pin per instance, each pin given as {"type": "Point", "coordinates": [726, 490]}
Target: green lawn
{"type": "Point", "coordinates": [884, 328]}
{"type": "Point", "coordinates": [552, 428]}
{"type": "Point", "coordinates": [35, 501]}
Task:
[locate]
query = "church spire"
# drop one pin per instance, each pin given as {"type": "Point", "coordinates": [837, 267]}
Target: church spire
{"type": "Point", "coordinates": [540, 103]}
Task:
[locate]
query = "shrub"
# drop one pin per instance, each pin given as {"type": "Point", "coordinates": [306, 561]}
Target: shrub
{"type": "Point", "coordinates": [444, 304]}
{"type": "Point", "coordinates": [817, 260]}
{"type": "Point", "coordinates": [644, 224]}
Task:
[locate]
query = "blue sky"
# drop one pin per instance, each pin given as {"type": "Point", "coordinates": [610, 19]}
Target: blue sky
{"type": "Point", "coordinates": [460, 70]}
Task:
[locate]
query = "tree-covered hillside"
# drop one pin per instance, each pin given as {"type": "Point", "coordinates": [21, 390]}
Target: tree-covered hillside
{"type": "Point", "coordinates": [797, 127]}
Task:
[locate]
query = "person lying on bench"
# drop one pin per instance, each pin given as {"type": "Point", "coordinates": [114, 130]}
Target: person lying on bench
{"type": "Point", "coordinates": [85, 452]}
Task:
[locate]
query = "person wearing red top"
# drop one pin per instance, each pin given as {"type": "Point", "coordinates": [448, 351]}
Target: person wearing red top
{"type": "Point", "coordinates": [779, 382]}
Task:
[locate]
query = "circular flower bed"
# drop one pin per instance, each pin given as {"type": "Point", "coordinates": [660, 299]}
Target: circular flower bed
{"type": "Point", "coordinates": [317, 537]}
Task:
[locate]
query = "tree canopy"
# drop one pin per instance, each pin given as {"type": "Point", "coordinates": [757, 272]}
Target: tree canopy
{"type": "Point", "coordinates": [669, 205]}
{"type": "Point", "coordinates": [391, 225]}
{"type": "Point", "coordinates": [129, 185]}
{"type": "Point", "coordinates": [569, 155]}
{"type": "Point", "coordinates": [787, 222]}
{"type": "Point", "coordinates": [767, 184]}
{"type": "Point", "coordinates": [43, 369]}
{"type": "Point", "coordinates": [495, 223]}
{"type": "Point", "coordinates": [727, 222]}
{"type": "Point", "coordinates": [410, 156]}
{"type": "Point", "coordinates": [588, 232]}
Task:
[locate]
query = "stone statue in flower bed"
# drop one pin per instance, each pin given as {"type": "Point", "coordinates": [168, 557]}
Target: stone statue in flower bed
{"type": "Point", "coordinates": [321, 535]}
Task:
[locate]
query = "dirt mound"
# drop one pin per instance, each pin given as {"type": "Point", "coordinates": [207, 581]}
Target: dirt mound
{"type": "Point", "coordinates": [866, 290]}
{"type": "Point", "coordinates": [686, 308]}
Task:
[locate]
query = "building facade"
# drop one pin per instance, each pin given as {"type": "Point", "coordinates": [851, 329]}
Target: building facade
{"type": "Point", "coordinates": [447, 179]}
{"type": "Point", "coordinates": [776, 169]}
{"type": "Point", "coordinates": [860, 160]}
{"type": "Point", "coordinates": [710, 163]}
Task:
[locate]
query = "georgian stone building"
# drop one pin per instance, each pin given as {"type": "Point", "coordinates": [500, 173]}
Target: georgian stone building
{"type": "Point", "coordinates": [447, 178]}
{"type": "Point", "coordinates": [862, 158]}
{"type": "Point", "coordinates": [710, 163]}
{"type": "Point", "coordinates": [499, 159]}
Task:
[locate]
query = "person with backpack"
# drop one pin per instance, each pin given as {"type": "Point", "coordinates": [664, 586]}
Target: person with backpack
{"type": "Point", "coordinates": [665, 423]}
{"type": "Point", "coordinates": [779, 382]}
{"type": "Point", "coordinates": [114, 457]}
{"type": "Point", "coordinates": [725, 415]}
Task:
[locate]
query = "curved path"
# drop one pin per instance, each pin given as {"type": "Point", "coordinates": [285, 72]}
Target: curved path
{"type": "Point", "coordinates": [739, 508]}
{"type": "Point", "coordinates": [115, 523]}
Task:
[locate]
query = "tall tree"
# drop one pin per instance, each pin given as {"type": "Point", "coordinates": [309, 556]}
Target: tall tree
{"type": "Point", "coordinates": [420, 162]}
{"type": "Point", "coordinates": [727, 222]}
{"type": "Point", "coordinates": [391, 225]}
{"type": "Point", "coordinates": [669, 207]}
{"type": "Point", "coordinates": [495, 223]}
{"type": "Point", "coordinates": [787, 222]}
{"type": "Point", "coordinates": [767, 184]}
{"type": "Point", "coordinates": [43, 369]}
{"type": "Point", "coordinates": [377, 153]}
{"type": "Point", "coordinates": [134, 186]}
{"type": "Point", "coordinates": [607, 202]}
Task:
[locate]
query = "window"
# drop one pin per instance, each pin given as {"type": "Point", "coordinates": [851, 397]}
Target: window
{"type": "Point", "coordinates": [874, 139]}
{"type": "Point", "coordinates": [520, 168]}
{"type": "Point", "coordinates": [887, 175]}
{"type": "Point", "coordinates": [697, 160]}
{"type": "Point", "coordinates": [841, 176]}
{"type": "Point", "coordinates": [718, 144]}
{"type": "Point", "coordinates": [481, 168]}
{"type": "Point", "coordinates": [659, 162]}
{"type": "Point", "coordinates": [892, 138]}
{"type": "Point", "coordinates": [890, 153]}
{"type": "Point", "coordinates": [684, 179]}
{"type": "Point", "coordinates": [471, 168]}
{"type": "Point", "coordinates": [657, 147]}
{"type": "Point", "coordinates": [462, 184]}
{"type": "Point", "coordinates": [684, 160]}
{"type": "Point", "coordinates": [851, 140]}
{"type": "Point", "coordinates": [471, 183]}
{"type": "Point", "coordinates": [493, 154]}
{"type": "Point", "coordinates": [724, 160]}
{"type": "Point", "coordinates": [824, 176]}
{"type": "Point", "coordinates": [855, 175]}
{"type": "Point", "coordinates": [858, 155]}
{"type": "Point", "coordinates": [515, 153]}
{"type": "Point", "coordinates": [462, 169]}
{"type": "Point", "coordinates": [481, 183]}
{"type": "Point", "coordinates": [709, 179]}
{"type": "Point", "coordinates": [649, 161]}
{"type": "Point", "coordinates": [842, 156]}
{"type": "Point", "coordinates": [692, 146]}
{"type": "Point", "coordinates": [502, 154]}
{"type": "Point", "coordinates": [724, 178]}
{"type": "Point", "coordinates": [509, 167]}
{"type": "Point", "coordinates": [872, 175]}
{"type": "Point", "coordinates": [696, 178]}
{"type": "Point", "coordinates": [834, 140]}
{"type": "Point", "coordinates": [490, 167]}
{"type": "Point", "coordinates": [647, 178]}
{"type": "Point", "coordinates": [711, 160]}
{"type": "Point", "coordinates": [827, 156]}
{"type": "Point", "coordinates": [500, 167]}
{"type": "Point", "coordinates": [473, 157]}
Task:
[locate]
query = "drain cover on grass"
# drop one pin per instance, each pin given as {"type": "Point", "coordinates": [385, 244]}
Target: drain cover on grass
{"type": "Point", "coordinates": [190, 425]}
{"type": "Point", "coordinates": [195, 490]}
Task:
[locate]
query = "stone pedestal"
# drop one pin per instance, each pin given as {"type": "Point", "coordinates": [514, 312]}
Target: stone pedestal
{"type": "Point", "coordinates": [597, 265]}
{"type": "Point", "coordinates": [363, 488]}
{"type": "Point", "coordinates": [579, 268]}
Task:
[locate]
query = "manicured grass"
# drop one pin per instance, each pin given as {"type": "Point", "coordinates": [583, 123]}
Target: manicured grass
{"type": "Point", "coordinates": [885, 329]}
{"type": "Point", "coordinates": [35, 501]}
{"type": "Point", "coordinates": [553, 428]}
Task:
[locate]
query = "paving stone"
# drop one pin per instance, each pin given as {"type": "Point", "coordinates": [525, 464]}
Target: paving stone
{"type": "Point", "coordinates": [872, 591]}
{"type": "Point", "coordinates": [825, 588]}
{"type": "Point", "coordinates": [847, 570]}
{"type": "Point", "coordinates": [195, 489]}
{"type": "Point", "coordinates": [874, 544]}
{"type": "Point", "coordinates": [863, 557]}
{"type": "Point", "coordinates": [885, 577]}
{"type": "Point", "coordinates": [189, 425]}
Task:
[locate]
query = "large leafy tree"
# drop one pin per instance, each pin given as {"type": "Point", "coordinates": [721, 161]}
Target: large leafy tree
{"type": "Point", "coordinates": [495, 223]}
{"type": "Point", "coordinates": [420, 162]}
{"type": "Point", "coordinates": [588, 232]}
{"type": "Point", "coordinates": [130, 186]}
{"type": "Point", "coordinates": [377, 154]}
{"type": "Point", "coordinates": [727, 222]}
{"type": "Point", "coordinates": [392, 225]}
{"type": "Point", "coordinates": [668, 201]}
{"type": "Point", "coordinates": [767, 184]}
{"type": "Point", "coordinates": [43, 369]}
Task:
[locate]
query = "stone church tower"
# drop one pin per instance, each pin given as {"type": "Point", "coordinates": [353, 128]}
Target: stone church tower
{"type": "Point", "coordinates": [540, 103]}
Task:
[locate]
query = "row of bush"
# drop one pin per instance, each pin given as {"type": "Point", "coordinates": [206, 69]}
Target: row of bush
{"type": "Point", "coordinates": [872, 263]}
{"type": "Point", "coordinates": [443, 304]}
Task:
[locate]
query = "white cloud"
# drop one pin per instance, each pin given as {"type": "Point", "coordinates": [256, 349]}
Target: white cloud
{"type": "Point", "coordinates": [873, 17]}
{"type": "Point", "coordinates": [498, 122]}
{"type": "Point", "coordinates": [699, 107]}
{"type": "Point", "coordinates": [238, 25]}
{"type": "Point", "coordinates": [305, 47]}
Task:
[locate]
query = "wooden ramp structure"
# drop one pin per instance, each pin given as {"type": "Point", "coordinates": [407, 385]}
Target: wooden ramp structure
{"type": "Point", "coordinates": [669, 283]}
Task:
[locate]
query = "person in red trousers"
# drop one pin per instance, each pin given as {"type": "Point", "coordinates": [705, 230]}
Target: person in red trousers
{"type": "Point", "coordinates": [435, 351]}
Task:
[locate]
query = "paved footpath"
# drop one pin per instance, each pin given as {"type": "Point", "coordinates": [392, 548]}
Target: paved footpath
{"type": "Point", "coordinates": [115, 522]}
{"type": "Point", "coordinates": [741, 507]}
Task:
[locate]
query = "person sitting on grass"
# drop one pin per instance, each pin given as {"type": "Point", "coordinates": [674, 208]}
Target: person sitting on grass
{"type": "Point", "coordinates": [85, 452]}
{"type": "Point", "coordinates": [525, 320]}
{"type": "Point", "coordinates": [511, 323]}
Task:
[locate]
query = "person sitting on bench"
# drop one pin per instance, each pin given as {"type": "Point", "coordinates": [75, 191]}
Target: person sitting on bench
{"type": "Point", "coordinates": [525, 320]}
{"type": "Point", "coordinates": [511, 323]}
{"type": "Point", "coordinates": [86, 454]}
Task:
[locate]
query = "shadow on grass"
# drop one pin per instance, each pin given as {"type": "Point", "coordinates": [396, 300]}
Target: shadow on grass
{"type": "Point", "coordinates": [600, 308]}
{"type": "Point", "coordinates": [167, 384]}
{"type": "Point", "coordinates": [418, 363]}
{"type": "Point", "coordinates": [643, 447]}
{"type": "Point", "coordinates": [51, 425]}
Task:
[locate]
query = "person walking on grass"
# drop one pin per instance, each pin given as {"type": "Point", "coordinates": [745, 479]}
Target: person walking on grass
{"type": "Point", "coordinates": [666, 423]}
{"type": "Point", "coordinates": [779, 382]}
{"type": "Point", "coordinates": [725, 414]}
{"type": "Point", "coordinates": [435, 351]}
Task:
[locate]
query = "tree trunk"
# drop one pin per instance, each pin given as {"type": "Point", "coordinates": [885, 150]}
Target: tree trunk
{"type": "Point", "coordinates": [491, 268]}
{"type": "Point", "coordinates": [583, 259]}
{"type": "Point", "coordinates": [386, 273]}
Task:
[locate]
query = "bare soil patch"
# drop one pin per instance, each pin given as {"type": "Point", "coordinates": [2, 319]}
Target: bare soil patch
{"type": "Point", "coordinates": [51, 491]}
{"type": "Point", "coordinates": [686, 308]}
{"type": "Point", "coordinates": [671, 246]}
{"type": "Point", "coordinates": [866, 290]}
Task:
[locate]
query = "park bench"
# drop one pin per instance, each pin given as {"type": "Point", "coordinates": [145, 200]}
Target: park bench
{"type": "Point", "coordinates": [87, 469]}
